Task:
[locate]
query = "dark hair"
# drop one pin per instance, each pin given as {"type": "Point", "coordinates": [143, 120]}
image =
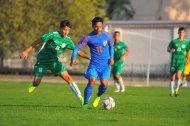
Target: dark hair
{"type": "Point", "coordinates": [181, 29]}
{"type": "Point", "coordinates": [65, 23]}
{"type": "Point", "coordinates": [96, 19]}
{"type": "Point", "coordinates": [116, 32]}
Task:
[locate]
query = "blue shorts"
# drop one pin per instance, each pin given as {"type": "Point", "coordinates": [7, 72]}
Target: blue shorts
{"type": "Point", "coordinates": [94, 72]}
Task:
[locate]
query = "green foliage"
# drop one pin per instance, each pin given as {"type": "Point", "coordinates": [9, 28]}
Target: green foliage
{"type": "Point", "coordinates": [24, 21]}
{"type": "Point", "coordinates": [120, 9]}
{"type": "Point", "coordinates": [54, 104]}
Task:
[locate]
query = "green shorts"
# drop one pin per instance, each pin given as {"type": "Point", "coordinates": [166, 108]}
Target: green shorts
{"type": "Point", "coordinates": [177, 65]}
{"type": "Point", "coordinates": [117, 67]}
{"type": "Point", "coordinates": [55, 67]}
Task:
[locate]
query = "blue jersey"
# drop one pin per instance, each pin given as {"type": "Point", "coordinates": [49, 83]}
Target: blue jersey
{"type": "Point", "coordinates": [101, 47]}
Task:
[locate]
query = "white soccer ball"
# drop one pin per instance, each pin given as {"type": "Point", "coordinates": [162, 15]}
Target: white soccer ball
{"type": "Point", "coordinates": [108, 103]}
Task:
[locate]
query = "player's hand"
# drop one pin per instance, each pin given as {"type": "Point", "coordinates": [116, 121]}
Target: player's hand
{"type": "Point", "coordinates": [122, 58]}
{"type": "Point", "coordinates": [73, 61]}
{"type": "Point", "coordinates": [172, 50]}
{"type": "Point", "coordinates": [111, 61]}
{"type": "Point", "coordinates": [24, 55]}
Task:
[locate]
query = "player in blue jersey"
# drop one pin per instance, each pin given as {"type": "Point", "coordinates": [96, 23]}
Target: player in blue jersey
{"type": "Point", "coordinates": [102, 53]}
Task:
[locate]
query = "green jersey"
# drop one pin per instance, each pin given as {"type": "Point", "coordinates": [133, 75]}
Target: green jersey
{"type": "Point", "coordinates": [181, 47]}
{"type": "Point", "coordinates": [119, 49]}
{"type": "Point", "coordinates": [53, 45]}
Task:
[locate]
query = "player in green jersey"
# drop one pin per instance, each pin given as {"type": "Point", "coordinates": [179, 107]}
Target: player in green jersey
{"type": "Point", "coordinates": [178, 47]}
{"type": "Point", "coordinates": [120, 52]}
{"type": "Point", "coordinates": [53, 44]}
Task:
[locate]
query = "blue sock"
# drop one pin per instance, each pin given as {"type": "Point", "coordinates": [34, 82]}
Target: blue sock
{"type": "Point", "coordinates": [87, 93]}
{"type": "Point", "coordinates": [101, 90]}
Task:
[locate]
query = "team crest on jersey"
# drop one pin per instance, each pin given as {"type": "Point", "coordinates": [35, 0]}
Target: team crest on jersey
{"type": "Point", "coordinates": [105, 42]}
{"type": "Point", "coordinates": [183, 46]}
{"type": "Point", "coordinates": [63, 45]}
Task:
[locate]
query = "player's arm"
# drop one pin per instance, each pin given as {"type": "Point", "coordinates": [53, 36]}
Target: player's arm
{"type": "Point", "coordinates": [170, 47]}
{"type": "Point", "coordinates": [79, 46]}
{"type": "Point", "coordinates": [111, 49]}
{"type": "Point", "coordinates": [125, 54]}
{"type": "Point", "coordinates": [25, 53]}
{"type": "Point", "coordinates": [84, 55]}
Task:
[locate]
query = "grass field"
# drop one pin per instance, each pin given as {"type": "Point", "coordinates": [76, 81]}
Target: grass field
{"type": "Point", "coordinates": [54, 104]}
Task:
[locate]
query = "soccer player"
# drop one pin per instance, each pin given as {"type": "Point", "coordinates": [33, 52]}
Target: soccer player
{"type": "Point", "coordinates": [120, 52]}
{"type": "Point", "coordinates": [186, 70]}
{"type": "Point", "coordinates": [178, 47]}
{"type": "Point", "coordinates": [53, 44]}
{"type": "Point", "coordinates": [102, 53]}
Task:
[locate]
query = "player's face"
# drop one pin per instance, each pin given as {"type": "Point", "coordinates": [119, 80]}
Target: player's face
{"type": "Point", "coordinates": [116, 37]}
{"type": "Point", "coordinates": [181, 34]}
{"type": "Point", "coordinates": [98, 27]}
{"type": "Point", "coordinates": [64, 31]}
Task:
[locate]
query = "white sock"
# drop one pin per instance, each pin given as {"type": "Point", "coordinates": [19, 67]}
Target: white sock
{"type": "Point", "coordinates": [75, 89]}
{"type": "Point", "coordinates": [172, 87]}
{"type": "Point", "coordinates": [116, 85]}
{"type": "Point", "coordinates": [178, 84]}
{"type": "Point", "coordinates": [121, 84]}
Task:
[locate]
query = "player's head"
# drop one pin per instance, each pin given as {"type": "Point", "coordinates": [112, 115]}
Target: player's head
{"type": "Point", "coordinates": [181, 32]}
{"type": "Point", "coordinates": [116, 36]}
{"type": "Point", "coordinates": [65, 27]}
{"type": "Point", "coordinates": [97, 24]}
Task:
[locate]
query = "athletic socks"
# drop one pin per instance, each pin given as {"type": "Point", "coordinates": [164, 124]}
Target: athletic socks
{"type": "Point", "coordinates": [116, 86]}
{"type": "Point", "coordinates": [122, 86]}
{"type": "Point", "coordinates": [101, 90]}
{"type": "Point", "coordinates": [87, 93]}
{"type": "Point", "coordinates": [76, 90]}
{"type": "Point", "coordinates": [172, 87]}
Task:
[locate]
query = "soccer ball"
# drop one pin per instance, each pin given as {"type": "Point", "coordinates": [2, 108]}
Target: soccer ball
{"type": "Point", "coordinates": [108, 103]}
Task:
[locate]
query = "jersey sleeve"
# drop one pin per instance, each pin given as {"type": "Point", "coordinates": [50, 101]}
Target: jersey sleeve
{"type": "Point", "coordinates": [47, 36]}
{"type": "Point", "coordinates": [82, 42]}
{"type": "Point", "coordinates": [170, 46]}
{"type": "Point", "coordinates": [125, 46]}
{"type": "Point", "coordinates": [70, 45]}
{"type": "Point", "coordinates": [188, 47]}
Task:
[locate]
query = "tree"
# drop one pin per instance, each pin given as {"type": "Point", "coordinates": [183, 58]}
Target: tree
{"type": "Point", "coordinates": [120, 9]}
{"type": "Point", "coordinates": [24, 21]}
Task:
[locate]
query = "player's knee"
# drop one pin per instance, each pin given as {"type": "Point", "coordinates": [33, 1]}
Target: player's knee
{"type": "Point", "coordinates": [92, 81]}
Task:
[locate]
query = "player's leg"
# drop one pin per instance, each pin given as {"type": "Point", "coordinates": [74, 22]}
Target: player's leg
{"type": "Point", "coordinates": [101, 90]}
{"type": "Point", "coordinates": [185, 73]}
{"type": "Point", "coordinates": [116, 84]}
{"type": "Point", "coordinates": [90, 74]}
{"type": "Point", "coordinates": [104, 76]}
{"type": "Point", "coordinates": [172, 83]}
{"type": "Point", "coordinates": [39, 72]}
{"type": "Point", "coordinates": [65, 75]}
{"type": "Point", "coordinates": [118, 72]}
{"type": "Point", "coordinates": [59, 69]}
{"type": "Point", "coordinates": [179, 73]}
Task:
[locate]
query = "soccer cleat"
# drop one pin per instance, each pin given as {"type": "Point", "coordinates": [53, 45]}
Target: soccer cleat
{"type": "Point", "coordinates": [96, 102]}
{"type": "Point", "coordinates": [176, 92]}
{"type": "Point", "coordinates": [116, 90]}
{"type": "Point", "coordinates": [31, 88]}
{"type": "Point", "coordinates": [85, 107]}
{"type": "Point", "coordinates": [172, 94]}
{"type": "Point", "coordinates": [82, 101]}
{"type": "Point", "coordinates": [181, 85]}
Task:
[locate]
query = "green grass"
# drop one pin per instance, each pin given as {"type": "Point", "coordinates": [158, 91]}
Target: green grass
{"type": "Point", "coordinates": [54, 104]}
